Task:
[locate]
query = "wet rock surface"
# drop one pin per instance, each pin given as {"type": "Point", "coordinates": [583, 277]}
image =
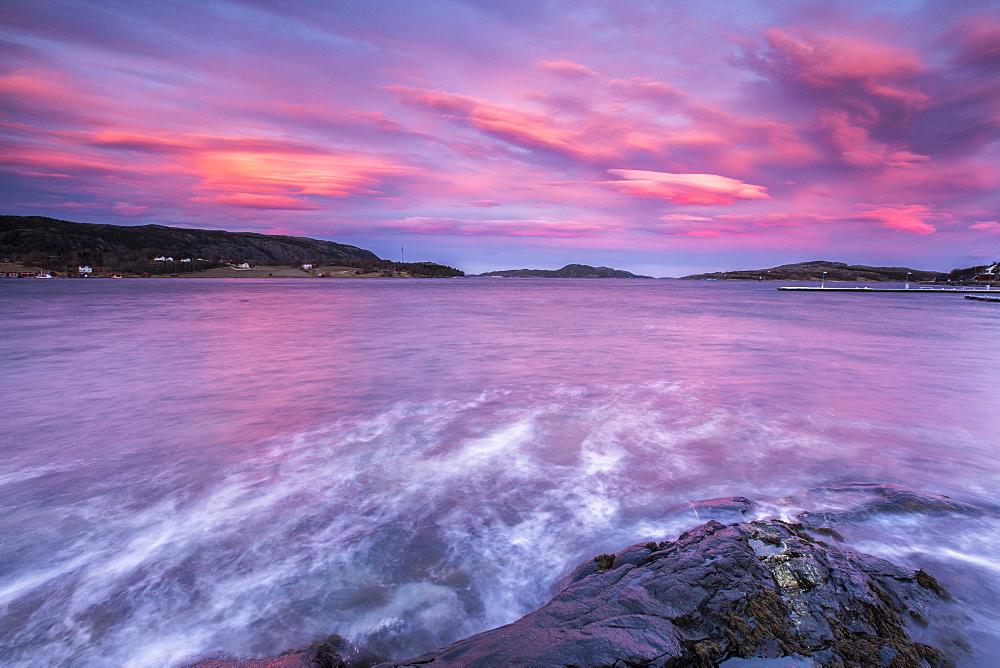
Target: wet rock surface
{"type": "Point", "coordinates": [736, 587]}
{"type": "Point", "coordinates": [333, 652]}
{"type": "Point", "coordinates": [874, 500]}
{"type": "Point", "coordinates": [763, 589]}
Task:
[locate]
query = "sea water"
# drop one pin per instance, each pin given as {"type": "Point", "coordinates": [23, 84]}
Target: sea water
{"type": "Point", "coordinates": [230, 467]}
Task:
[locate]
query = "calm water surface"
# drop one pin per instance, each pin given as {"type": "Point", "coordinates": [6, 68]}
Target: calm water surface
{"type": "Point", "coordinates": [242, 466]}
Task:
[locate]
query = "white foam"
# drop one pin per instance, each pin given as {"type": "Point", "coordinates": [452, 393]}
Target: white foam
{"type": "Point", "coordinates": [441, 510]}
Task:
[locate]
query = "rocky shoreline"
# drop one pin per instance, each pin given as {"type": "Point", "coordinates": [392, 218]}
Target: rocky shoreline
{"type": "Point", "coordinates": [748, 589]}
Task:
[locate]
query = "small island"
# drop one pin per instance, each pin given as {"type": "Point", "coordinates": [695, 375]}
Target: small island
{"type": "Point", "coordinates": [819, 270]}
{"type": "Point", "coordinates": [569, 271]}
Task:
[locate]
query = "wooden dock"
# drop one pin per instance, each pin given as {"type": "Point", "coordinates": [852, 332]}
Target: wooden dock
{"type": "Point", "coordinates": [915, 291]}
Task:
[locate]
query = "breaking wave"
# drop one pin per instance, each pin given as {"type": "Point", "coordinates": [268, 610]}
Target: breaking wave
{"type": "Point", "coordinates": [425, 523]}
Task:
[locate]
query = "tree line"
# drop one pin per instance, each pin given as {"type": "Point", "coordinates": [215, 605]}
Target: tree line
{"type": "Point", "coordinates": [968, 272]}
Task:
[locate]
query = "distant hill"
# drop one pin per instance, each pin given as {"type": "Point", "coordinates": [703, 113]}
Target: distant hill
{"type": "Point", "coordinates": [39, 236]}
{"type": "Point", "coordinates": [569, 271]}
{"type": "Point", "coordinates": [835, 271]}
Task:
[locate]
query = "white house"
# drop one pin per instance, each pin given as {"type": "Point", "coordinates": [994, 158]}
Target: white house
{"type": "Point", "coordinates": [307, 266]}
{"type": "Point", "coordinates": [187, 259]}
{"type": "Point", "coordinates": [85, 270]}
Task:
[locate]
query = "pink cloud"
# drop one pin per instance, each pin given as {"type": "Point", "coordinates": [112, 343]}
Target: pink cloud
{"type": "Point", "coordinates": [567, 68]}
{"type": "Point", "coordinates": [62, 163]}
{"type": "Point", "coordinates": [941, 181]}
{"type": "Point", "coordinates": [603, 134]}
{"type": "Point", "coordinates": [683, 217]}
{"type": "Point", "coordinates": [654, 91]}
{"type": "Point", "coordinates": [729, 225]}
{"type": "Point", "coordinates": [517, 127]}
{"type": "Point", "coordinates": [980, 41]}
{"type": "Point", "coordinates": [590, 137]}
{"type": "Point", "coordinates": [712, 232]}
{"type": "Point", "coordinates": [181, 142]}
{"type": "Point", "coordinates": [684, 188]}
{"type": "Point", "coordinates": [904, 218]}
{"type": "Point", "coordinates": [379, 120]}
{"type": "Point", "coordinates": [701, 231]}
{"type": "Point", "coordinates": [497, 228]}
{"type": "Point", "coordinates": [139, 142]}
{"type": "Point", "coordinates": [43, 89]}
{"type": "Point", "coordinates": [876, 69]}
{"type": "Point", "coordinates": [856, 147]}
{"type": "Point", "coordinates": [130, 210]}
{"type": "Point", "coordinates": [776, 219]}
{"type": "Point", "coordinates": [120, 125]}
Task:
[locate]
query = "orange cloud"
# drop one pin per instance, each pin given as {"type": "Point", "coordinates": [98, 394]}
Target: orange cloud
{"type": "Point", "coordinates": [276, 180]}
{"type": "Point", "coordinates": [685, 188]}
{"type": "Point", "coordinates": [257, 201]}
{"type": "Point", "coordinates": [911, 218]}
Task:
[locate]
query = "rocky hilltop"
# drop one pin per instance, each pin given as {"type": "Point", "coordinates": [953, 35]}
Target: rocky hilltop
{"type": "Point", "coordinates": [813, 271]}
{"type": "Point", "coordinates": [569, 271]}
{"type": "Point", "coordinates": [32, 238]}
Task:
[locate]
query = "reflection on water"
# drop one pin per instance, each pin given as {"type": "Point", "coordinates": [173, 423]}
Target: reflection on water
{"type": "Point", "coordinates": [247, 466]}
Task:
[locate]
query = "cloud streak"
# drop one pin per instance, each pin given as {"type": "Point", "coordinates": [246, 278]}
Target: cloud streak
{"type": "Point", "coordinates": [685, 188]}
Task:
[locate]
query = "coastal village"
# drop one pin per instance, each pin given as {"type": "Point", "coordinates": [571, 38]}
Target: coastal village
{"type": "Point", "coordinates": [42, 247]}
{"type": "Point", "coordinates": [983, 276]}
{"type": "Point", "coordinates": [9, 269]}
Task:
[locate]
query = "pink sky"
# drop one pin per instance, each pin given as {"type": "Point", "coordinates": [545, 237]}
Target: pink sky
{"type": "Point", "coordinates": [656, 136]}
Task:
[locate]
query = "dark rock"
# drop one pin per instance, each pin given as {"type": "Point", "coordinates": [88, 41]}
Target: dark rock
{"type": "Point", "coordinates": [322, 655]}
{"type": "Point", "coordinates": [880, 499]}
{"type": "Point", "coordinates": [303, 659]}
{"type": "Point", "coordinates": [761, 589]}
{"type": "Point", "coordinates": [725, 509]}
